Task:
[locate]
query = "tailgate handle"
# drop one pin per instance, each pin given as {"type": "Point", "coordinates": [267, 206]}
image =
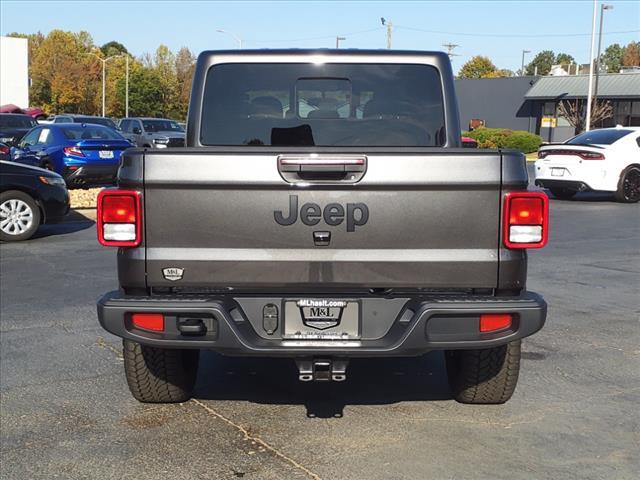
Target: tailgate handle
{"type": "Point", "coordinates": [343, 169]}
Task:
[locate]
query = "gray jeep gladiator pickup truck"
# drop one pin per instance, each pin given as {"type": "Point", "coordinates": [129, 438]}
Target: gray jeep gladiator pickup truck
{"type": "Point", "coordinates": [322, 209]}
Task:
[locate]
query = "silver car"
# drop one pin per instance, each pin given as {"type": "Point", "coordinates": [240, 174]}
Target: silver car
{"type": "Point", "coordinates": [152, 132]}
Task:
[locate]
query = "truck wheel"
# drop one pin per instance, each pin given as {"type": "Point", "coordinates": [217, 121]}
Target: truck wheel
{"type": "Point", "coordinates": [629, 185]}
{"type": "Point", "coordinates": [563, 193]}
{"type": "Point", "coordinates": [484, 376]}
{"type": "Point", "coordinates": [160, 375]}
{"type": "Point", "coordinates": [19, 216]}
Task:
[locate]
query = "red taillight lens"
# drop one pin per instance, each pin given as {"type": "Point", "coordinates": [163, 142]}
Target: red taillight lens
{"type": "Point", "coordinates": [526, 220]}
{"type": "Point", "coordinates": [492, 322]}
{"type": "Point", "coordinates": [119, 218]}
{"type": "Point", "coordinates": [583, 154]}
{"type": "Point", "coordinates": [148, 321]}
{"type": "Point", "coordinates": [4, 149]}
{"type": "Point", "coordinates": [75, 151]}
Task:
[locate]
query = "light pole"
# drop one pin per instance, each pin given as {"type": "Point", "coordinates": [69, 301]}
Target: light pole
{"type": "Point", "coordinates": [524, 52]}
{"type": "Point", "coordinates": [237, 38]}
{"type": "Point", "coordinates": [593, 44]}
{"type": "Point", "coordinates": [104, 77]}
{"type": "Point", "coordinates": [126, 87]}
{"type": "Point", "coordinates": [338, 40]}
{"type": "Point", "coordinates": [603, 7]}
{"type": "Point", "coordinates": [389, 26]}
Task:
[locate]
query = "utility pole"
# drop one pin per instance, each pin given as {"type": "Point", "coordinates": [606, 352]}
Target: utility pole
{"type": "Point", "coordinates": [389, 26]}
{"type": "Point", "coordinates": [104, 77]}
{"type": "Point", "coordinates": [603, 7]}
{"type": "Point", "coordinates": [126, 87]}
{"type": "Point", "coordinates": [593, 44]}
{"type": "Point", "coordinates": [338, 40]}
{"type": "Point", "coordinates": [524, 52]}
{"type": "Point", "coordinates": [450, 47]}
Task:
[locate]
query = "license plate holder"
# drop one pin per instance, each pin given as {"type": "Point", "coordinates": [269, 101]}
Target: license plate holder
{"type": "Point", "coordinates": [105, 154]}
{"type": "Point", "coordinates": [322, 319]}
{"type": "Point", "coordinates": [557, 172]}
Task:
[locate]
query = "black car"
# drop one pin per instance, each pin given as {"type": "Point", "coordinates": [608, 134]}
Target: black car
{"type": "Point", "coordinates": [29, 197]}
{"type": "Point", "coordinates": [13, 126]}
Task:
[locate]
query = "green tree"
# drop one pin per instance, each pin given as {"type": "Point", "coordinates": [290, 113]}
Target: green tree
{"type": "Point", "coordinates": [113, 48]}
{"type": "Point", "coordinates": [543, 61]}
{"type": "Point", "coordinates": [564, 59]}
{"type": "Point", "coordinates": [146, 97]}
{"type": "Point", "coordinates": [477, 67]}
{"type": "Point", "coordinates": [612, 58]}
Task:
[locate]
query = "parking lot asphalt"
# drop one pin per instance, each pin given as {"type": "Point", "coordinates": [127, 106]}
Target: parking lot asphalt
{"type": "Point", "coordinates": [66, 411]}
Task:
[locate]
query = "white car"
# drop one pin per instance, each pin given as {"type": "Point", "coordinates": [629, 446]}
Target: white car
{"type": "Point", "coordinates": [606, 160]}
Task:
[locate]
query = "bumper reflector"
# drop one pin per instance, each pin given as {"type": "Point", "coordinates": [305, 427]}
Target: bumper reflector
{"type": "Point", "coordinates": [149, 321]}
{"type": "Point", "coordinates": [492, 322]}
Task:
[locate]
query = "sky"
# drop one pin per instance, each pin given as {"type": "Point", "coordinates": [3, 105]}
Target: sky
{"type": "Point", "coordinates": [500, 30]}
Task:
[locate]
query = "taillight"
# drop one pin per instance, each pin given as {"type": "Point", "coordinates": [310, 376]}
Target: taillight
{"type": "Point", "coordinates": [526, 220]}
{"type": "Point", "coordinates": [119, 218]}
{"type": "Point", "coordinates": [583, 154]}
{"type": "Point", "coordinates": [75, 151]}
{"type": "Point", "coordinates": [4, 149]}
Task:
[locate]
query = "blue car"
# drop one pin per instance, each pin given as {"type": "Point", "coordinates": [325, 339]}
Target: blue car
{"type": "Point", "coordinates": [84, 154]}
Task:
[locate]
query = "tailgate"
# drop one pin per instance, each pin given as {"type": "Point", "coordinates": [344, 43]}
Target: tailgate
{"type": "Point", "coordinates": [414, 220]}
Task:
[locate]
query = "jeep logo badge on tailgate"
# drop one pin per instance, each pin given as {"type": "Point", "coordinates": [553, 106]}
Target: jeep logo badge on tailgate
{"type": "Point", "coordinates": [356, 214]}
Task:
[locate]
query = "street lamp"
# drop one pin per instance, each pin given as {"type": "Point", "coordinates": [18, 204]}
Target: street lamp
{"type": "Point", "coordinates": [389, 25]}
{"type": "Point", "coordinates": [603, 7]}
{"type": "Point", "coordinates": [338, 40]}
{"type": "Point", "coordinates": [104, 77]}
{"type": "Point", "coordinates": [524, 52]}
{"type": "Point", "coordinates": [237, 38]}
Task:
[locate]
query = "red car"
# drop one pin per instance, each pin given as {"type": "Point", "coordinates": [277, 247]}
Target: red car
{"type": "Point", "coordinates": [33, 112]}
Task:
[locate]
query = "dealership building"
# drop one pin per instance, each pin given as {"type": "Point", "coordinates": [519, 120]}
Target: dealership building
{"type": "Point", "coordinates": [531, 103]}
{"type": "Point", "coordinates": [14, 71]}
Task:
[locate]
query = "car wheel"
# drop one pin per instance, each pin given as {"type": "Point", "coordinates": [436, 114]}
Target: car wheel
{"type": "Point", "coordinates": [19, 216]}
{"type": "Point", "coordinates": [160, 375]}
{"type": "Point", "coordinates": [563, 193]}
{"type": "Point", "coordinates": [484, 376]}
{"type": "Point", "coordinates": [629, 185]}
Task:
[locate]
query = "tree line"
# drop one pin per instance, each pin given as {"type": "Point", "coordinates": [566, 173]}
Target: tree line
{"type": "Point", "coordinates": [66, 77]}
{"type": "Point", "coordinates": [613, 58]}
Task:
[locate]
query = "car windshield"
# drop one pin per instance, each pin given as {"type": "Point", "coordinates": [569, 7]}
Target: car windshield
{"type": "Point", "coordinates": [161, 126]}
{"type": "Point", "coordinates": [599, 137]}
{"type": "Point", "coordinates": [16, 121]}
{"type": "Point", "coordinates": [308, 104]}
{"type": "Point", "coordinates": [90, 132]}
{"type": "Point", "coordinates": [107, 122]}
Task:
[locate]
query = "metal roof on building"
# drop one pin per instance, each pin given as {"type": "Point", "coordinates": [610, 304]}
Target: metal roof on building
{"type": "Point", "coordinates": [618, 85]}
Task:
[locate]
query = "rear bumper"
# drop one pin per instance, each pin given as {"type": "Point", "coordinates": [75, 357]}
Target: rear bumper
{"type": "Point", "coordinates": [574, 185]}
{"type": "Point", "coordinates": [91, 175]}
{"type": "Point", "coordinates": [400, 327]}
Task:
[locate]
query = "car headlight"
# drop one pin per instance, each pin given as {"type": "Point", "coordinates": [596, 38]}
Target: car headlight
{"type": "Point", "coordinates": [6, 140]}
{"type": "Point", "coordinates": [52, 180]}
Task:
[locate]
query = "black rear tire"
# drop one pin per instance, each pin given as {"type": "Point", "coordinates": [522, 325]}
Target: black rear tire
{"type": "Point", "coordinates": [484, 376]}
{"type": "Point", "coordinates": [160, 375]}
{"type": "Point", "coordinates": [563, 193]}
{"type": "Point", "coordinates": [629, 185]}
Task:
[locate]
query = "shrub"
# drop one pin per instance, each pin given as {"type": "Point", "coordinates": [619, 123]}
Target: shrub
{"type": "Point", "coordinates": [504, 138]}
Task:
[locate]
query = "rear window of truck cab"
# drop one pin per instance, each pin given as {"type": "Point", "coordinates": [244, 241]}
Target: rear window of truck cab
{"type": "Point", "coordinates": [328, 104]}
